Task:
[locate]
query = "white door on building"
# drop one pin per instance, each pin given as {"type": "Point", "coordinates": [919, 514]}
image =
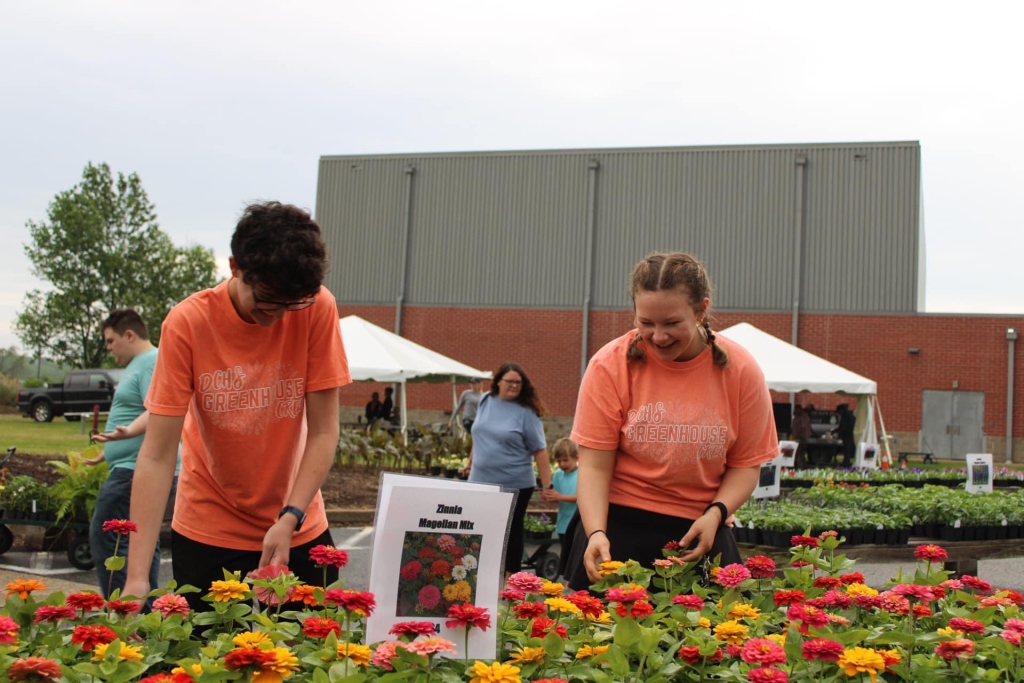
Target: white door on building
{"type": "Point", "coordinates": [952, 423]}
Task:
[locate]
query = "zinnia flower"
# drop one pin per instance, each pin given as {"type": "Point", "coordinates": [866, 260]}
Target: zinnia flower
{"type": "Point", "coordinates": [242, 657]}
{"type": "Point", "coordinates": [762, 652]}
{"type": "Point", "coordinates": [429, 596]}
{"type": "Point", "coordinates": [542, 626]}
{"type": "Point", "coordinates": [54, 614]}
{"type": "Point", "coordinates": [585, 651]}
{"type": "Point", "coordinates": [431, 645]}
{"type": "Point", "coordinates": [320, 627]}
{"type": "Point", "coordinates": [1012, 637]}
{"type": "Point", "coordinates": [24, 587]}
{"type": "Point", "coordinates": [767, 675]}
{"type": "Point", "coordinates": [265, 594]}
{"type": "Point", "coordinates": [808, 616]}
{"type": "Point", "coordinates": [89, 636]}
{"type": "Point", "coordinates": [385, 652]}
{"type": "Point", "coordinates": [530, 610]}
{"type": "Point", "coordinates": [328, 556]}
{"type": "Point", "coordinates": [823, 649]}
{"type": "Point", "coordinates": [862, 660]}
{"type": "Point", "coordinates": [976, 583]}
{"type": "Point", "coordinates": [760, 567]}
{"type": "Point", "coordinates": [527, 655]}
{"type": "Point", "coordinates": [800, 541]}
{"type": "Point", "coordinates": [250, 639]}
{"type": "Point", "coordinates": [913, 590]}
{"type": "Point", "coordinates": [460, 591]}
{"type": "Point", "coordinates": [966, 625]}
{"type": "Point", "coordinates": [413, 628]}
{"type": "Point", "coordinates": [496, 672]}
{"type": "Point", "coordinates": [169, 604]}
{"type": "Point", "coordinates": [127, 653]}
{"type": "Point", "coordinates": [610, 567]}
{"type": "Point", "coordinates": [732, 575]}
{"type": "Point", "coordinates": [827, 582]}
{"type": "Point", "coordinates": [958, 648]}
{"type": "Point", "coordinates": [588, 604]}
{"type": "Point", "coordinates": [851, 578]}
{"type": "Point", "coordinates": [33, 669]}
{"type": "Point", "coordinates": [1015, 625]}
{"type": "Point", "coordinates": [8, 630]}
{"type": "Point", "coordinates": [562, 605]}
{"type": "Point", "coordinates": [690, 601]}
{"type": "Point", "coordinates": [636, 610]}
{"type": "Point", "coordinates": [225, 591]}
{"type": "Point", "coordinates": [120, 526]}
{"type": "Point", "coordinates": [360, 655]}
{"type": "Point", "coordinates": [123, 607]}
{"type": "Point", "coordinates": [692, 656]}
{"type": "Point", "coordinates": [468, 615]}
{"type": "Point", "coordinates": [360, 602]}
{"type": "Point", "coordinates": [85, 601]}
{"type": "Point", "coordinates": [627, 592]}
{"type": "Point", "coordinates": [410, 570]}
{"type": "Point", "coordinates": [552, 588]}
{"type": "Point", "coordinates": [167, 678]}
{"type": "Point", "coordinates": [306, 595]}
{"type": "Point", "coordinates": [788, 597]}
{"type": "Point", "coordinates": [525, 583]}
{"type": "Point", "coordinates": [931, 553]}
{"type": "Point", "coordinates": [742, 610]}
{"type": "Point", "coordinates": [732, 632]}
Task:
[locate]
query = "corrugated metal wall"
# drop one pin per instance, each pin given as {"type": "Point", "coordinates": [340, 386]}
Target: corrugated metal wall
{"type": "Point", "coordinates": [509, 229]}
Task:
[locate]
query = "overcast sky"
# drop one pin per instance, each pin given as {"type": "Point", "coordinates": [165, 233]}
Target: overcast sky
{"type": "Point", "coordinates": [215, 104]}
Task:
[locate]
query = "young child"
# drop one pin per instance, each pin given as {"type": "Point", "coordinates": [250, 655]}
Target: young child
{"type": "Point", "coordinates": [565, 453]}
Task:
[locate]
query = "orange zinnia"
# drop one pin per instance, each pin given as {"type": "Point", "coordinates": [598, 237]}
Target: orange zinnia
{"type": "Point", "coordinates": [24, 587]}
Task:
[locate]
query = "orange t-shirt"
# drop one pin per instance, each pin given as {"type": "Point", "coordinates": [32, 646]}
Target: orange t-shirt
{"type": "Point", "coordinates": [243, 388]}
{"type": "Point", "coordinates": [674, 427]}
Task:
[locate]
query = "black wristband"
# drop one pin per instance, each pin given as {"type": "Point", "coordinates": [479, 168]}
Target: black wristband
{"type": "Point", "coordinates": [596, 531]}
{"type": "Point", "coordinates": [721, 508]}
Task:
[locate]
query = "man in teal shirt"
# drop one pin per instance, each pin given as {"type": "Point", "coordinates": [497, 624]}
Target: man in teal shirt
{"type": "Point", "coordinates": [127, 339]}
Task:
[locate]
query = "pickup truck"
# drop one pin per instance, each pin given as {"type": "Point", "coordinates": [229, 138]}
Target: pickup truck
{"type": "Point", "coordinates": [77, 394]}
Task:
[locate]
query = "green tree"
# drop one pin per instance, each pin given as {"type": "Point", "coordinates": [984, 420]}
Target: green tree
{"type": "Point", "coordinates": [100, 250]}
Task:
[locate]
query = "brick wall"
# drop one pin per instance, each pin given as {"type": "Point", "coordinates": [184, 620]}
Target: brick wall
{"type": "Point", "coordinates": [969, 350]}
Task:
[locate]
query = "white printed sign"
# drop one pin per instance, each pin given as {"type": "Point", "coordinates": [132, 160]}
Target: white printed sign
{"type": "Point", "coordinates": [438, 543]}
{"type": "Point", "coordinates": [768, 485]}
{"type": "Point", "coordinates": [788, 451]}
{"type": "Point", "coordinates": [867, 455]}
{"type": "Point", "coordinates": [979, 473]}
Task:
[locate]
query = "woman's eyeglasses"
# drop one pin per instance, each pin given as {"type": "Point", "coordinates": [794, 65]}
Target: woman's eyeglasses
{"type": "Point", "coordinates": [512, 382]}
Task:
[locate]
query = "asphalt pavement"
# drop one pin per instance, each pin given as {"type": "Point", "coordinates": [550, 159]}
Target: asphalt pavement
{"type": "Point", "coordinates": [56, 572]}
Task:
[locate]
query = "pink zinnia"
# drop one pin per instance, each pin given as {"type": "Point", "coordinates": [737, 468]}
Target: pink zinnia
{"type": "Point", "coordinates": [761, 567]}
{"type": "Point", "coordinates": [8, 630]}
{"type": "Point", "coordinates": [767, 675]}
{"type": "Point", "coordinates": [823, 649]}
{"type": "Point", "coordinates": [429, 596]}
{"type": "Point", "coordinates": [1014, 625]}
{"type": "Point", "coordinates": [763, 652]}
{"type": "Point", "coordinates": [958, 648]}
{"type": "Point", "coordinates": [629, 592]}
{"type": "Point", "coordinates": [893, 603]}
{"type": "Point", "coordinates": [952, 584]}
{"type": "Point", "coordinates": [413, 629]}
{"type": "Point", "coordinates": [169, 604]}
{"type": "Point", "coordinates": [447, 543]}
{"type": "Point", "coordinates": [1012, 637]}
{"type": "Point", "coordinates": [832, 598]}
{"type": "Point", "coordinates": [966, 625]}
{"type": "Point", "coordinates": [931, 553]}
{"type": "Point", "coordinates": [732, 575]}
{"type": "Point", "coordinates": [525, 582]}
{"type": "Point", "coordinates": [328, 556]}
{"type": "Point", "coordinates": [120, 526]}
{"type": "Point", "coordinates": [267, 595]}
{"type": "Point", "coordinates": [511, 595]}
{"type": "Point", "coordinates": [690, 601]}
{"type": "Point", "coordinates": [431, 645]}
{"type": "Point", "coordinates": [913, 590]}
{"type": "Point", "coordinates": [976, 583]}
{"type": "Point", "coordinates": [808, 616]}
{"type": "Point", "coordinates": [385, 652]}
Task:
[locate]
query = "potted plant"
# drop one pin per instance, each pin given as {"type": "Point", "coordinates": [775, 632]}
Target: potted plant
{"type": "Point", "coordinates": [538, 526]}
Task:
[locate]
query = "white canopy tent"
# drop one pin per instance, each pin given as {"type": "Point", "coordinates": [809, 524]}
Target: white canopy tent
{"type": "Point", "coordinates": [376, 355]}
{"type": "Point", "coordinates": [790, 369]}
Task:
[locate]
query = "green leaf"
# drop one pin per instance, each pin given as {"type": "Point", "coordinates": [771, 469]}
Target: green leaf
{"type": "Point", "coordinates": [626, 633]}
{"type": "Point", "coordinates": [554, 645]}
{"type": "Point", "coordinates": [115, 563]}
{"type": "Point", "coordinates": [617, 660]}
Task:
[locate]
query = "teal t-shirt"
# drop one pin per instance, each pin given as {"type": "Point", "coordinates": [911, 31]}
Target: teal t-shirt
{"type": "Point", "coordinates": [129, 403]}
{"type": "Point", "coordinates": [565, 483]}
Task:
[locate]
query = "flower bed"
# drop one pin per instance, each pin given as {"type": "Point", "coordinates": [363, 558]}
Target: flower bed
{"type": "Point", "coordinates": [909, 477]}
{"type": "Point", "coordinates": [815, 620]}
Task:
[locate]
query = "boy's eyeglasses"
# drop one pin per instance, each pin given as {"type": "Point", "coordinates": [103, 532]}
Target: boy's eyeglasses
{"type": "Point", "coordinates": [265, 305]}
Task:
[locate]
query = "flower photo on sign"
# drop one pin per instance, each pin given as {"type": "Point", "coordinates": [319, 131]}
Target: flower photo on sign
{"type": "Point", "coordinates": [438, 571]}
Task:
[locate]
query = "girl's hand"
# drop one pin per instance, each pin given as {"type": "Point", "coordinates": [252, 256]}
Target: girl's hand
{"type": "Point", "coordinates": [598, 551]}
{"type": "Point", "coordinates": [702, 532]}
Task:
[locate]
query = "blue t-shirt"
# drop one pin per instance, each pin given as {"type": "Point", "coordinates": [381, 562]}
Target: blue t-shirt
{"type": "Point", "coordinates": [505, 437]}
{"type": "Point", "coordinates": [565, 483]}
{"type": "Point", "coordinates": [129, 400]}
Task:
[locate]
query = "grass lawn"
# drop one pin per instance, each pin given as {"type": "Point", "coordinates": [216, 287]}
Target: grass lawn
{"type": "Point", "coordinates": [43, 438]}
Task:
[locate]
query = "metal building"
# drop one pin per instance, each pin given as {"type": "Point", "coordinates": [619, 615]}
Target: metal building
{"type": "Point", "coordinates": [806, 228]}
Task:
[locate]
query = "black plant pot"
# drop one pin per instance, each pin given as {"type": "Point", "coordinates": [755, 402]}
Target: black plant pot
{"type": "Point", "coordinates": [451, 474]}
{"type": "Point", "coordinates": [904, 537]}
{"type": "Point", "coordinates": [856, 537]}
{"type": "Point", "coordinates": [948, 533]}
{"type": "Point", "coordinates": [971, 533]}
{"type": "Point", "coordinates": [892, 536]}
{"type": "Point", "coordinates": [1013, 531]}
{"type": "Point", "coordinates": [435, 471]}
{"type": "Point", "coordinates": [933, 530]}
{"type": "Point", "coordinates": [917, 530]}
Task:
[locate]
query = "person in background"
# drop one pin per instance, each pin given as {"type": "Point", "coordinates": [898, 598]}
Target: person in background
{"type": "Point", "coordinates": [247, 379]}
{"type": "Point", "coordinates": [801, 432]}
{"type": "Point", "coordinates": [563, 483]}
{"type": "Point", "coordinates": [844, 430]}
{"type": "Point", "coordinates": [127, 339]}
{"type": "Point", "coordinates": [673, 424]}
{"type": "Point", "coordinates": [387, 408]}
{"type": "Point", "coordinates": [373, 406]}
{"type": "Point", "coordinates": [508, 438]}
{"type": "Point", "coordinates": [469, 400]}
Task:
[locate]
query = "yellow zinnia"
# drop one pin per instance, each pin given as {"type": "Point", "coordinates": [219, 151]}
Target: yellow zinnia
{"type": "Point", "coordinates": [947, 632]}
{"type": "Point", "coordinates": [527, 655]}
{"type": "Point", "coordinates": [779, 638]}
{"type": "Point", "coordinates": [196, 668]}
{"type": "Point", "coordinates": [855, 589]}
{"type": "Point", "coordinates": [460, 591]}
{"type": "Point", "coordinates": [857, 660]}
{"type": "Point", "coordinates": [731, 632]}
{"type": "Point", "coordinates": [552, 588]}
{"type": "Point", "coordinates": [285, 663]}
{"type": "Point", "coordinates": [359, 654]}
{"type": "Point", "coordinates": [741, 610]}
{"type": "Point", "coordinates": [609, 568]}
{"type": "Point", "coordinates": [602, 618]}
{"type": "Point", "coordinates": [702, 622]}
{"type": "Point", "coordinates": [588, 651]}
{"type": "Point", "coordinates": [250, 639]}
{"type": "Point", "coordinates": [494, 673]}
{"type": "Point", "coordinates": [562, 605]}
{"type": "Point", "coordinates": [128, 653]}
{"type": "Point", "coordinates": [224, 591]}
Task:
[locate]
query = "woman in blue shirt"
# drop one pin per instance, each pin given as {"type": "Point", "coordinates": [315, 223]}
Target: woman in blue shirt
{"type": "Point", "coordinates": [508, 438]}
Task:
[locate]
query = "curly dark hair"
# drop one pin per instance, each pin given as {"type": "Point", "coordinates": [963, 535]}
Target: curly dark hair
{"type": "Point", "coordinates": [527, 394]}
{"type": "Point", "coordinates": [279, 248]}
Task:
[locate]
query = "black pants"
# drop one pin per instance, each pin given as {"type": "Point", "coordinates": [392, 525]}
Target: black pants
{"type": "Point", "coordinates": [514, 550]}
{"type": "Point", "coordinates": [849, 449]}
{"type": "Point", "coordinates": [200, 565]}
{"type": "Point", "coordinates": [640, 535]}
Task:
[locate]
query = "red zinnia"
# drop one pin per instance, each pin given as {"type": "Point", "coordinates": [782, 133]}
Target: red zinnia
{"type": "Point", "coordinates": [921, 611]}
{"type": "Point", "coordinates": [767, 675]}
{"type": "Point", "coordinates": [760, 567]}
{"type": "Point", "coordinates": [958, 648]}
{"type": "Point", "coordinates": [509, 595]}
{"type": "Point", "coordinates": [33, 669]}
{"type": "Point", "coordinates": [827, 582]}
{"type": "Point", "coordinates": [852, 577]}
{"type": "Point", "coordinates": [410, 570]}
{"type": "Point", "coordinates": [354, 601]}
{"type": "Point", "coordinates": [893, 603]}
{"type": "Point", "coordinates": [808, 616]}
{"type": "Point", "coordinates": [788, 597]}
{"type": "Point", "coordinates": [328, 556]}
{"type": "Point", "coordinates": [54, 614]}
{"type": "Point", "coordinates": [89, 637]}
{"type": "Point", "coordinates": [320, 627]}
{"type": "Point", "coordinates": [242, 657]}
{"type": "Point", "coordinates": [690, 601]}
{"type": "Point", "coordinates": [167, 678]}
{"type": "Point", "coordinates": [123, 607]}
{"type": "Point", "coordinates": [8, 630]}
{"type": "Point", "coordinates": [468, 615]}
{"type": "Point", "coordinates": [976, 583]}
{"type": "Point", "coordinates": [692, 656]}
{"type": "Point", "coordinates": [588, 604]}
{"type": "Point", "coordinates": [85, 601]}
{"type": "Point", "coordinates": [822, 648]}
{"type": "Point", "coordinates": [930, 552]}
{"type": "Point", "coordinates": [120, 526]}
{"type": "Point", "coordinates": [798, 541]}
{"type": "Point", "coordinates": [530, 610]}
{"type": "Point", "coordinates": [799, 563]}
{"type": "Point", "coordinates": [440, 568]}
{"type": "Point", "coordinates": [413, 629]}
{"type": "Point", "coordinates": [636, 610]}
{"type": "Point", "coordinates": [543, 626]}
{"type": "Point", "coordinates": [762, 651]}
{"type": "Point", "coordinates": [966, 625]}
{"type": "Point", "coordinates": [629, 592]}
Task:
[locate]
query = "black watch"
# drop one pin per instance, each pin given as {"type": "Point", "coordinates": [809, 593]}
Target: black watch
{"type": "Point", "coordinates": [299, 515]}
